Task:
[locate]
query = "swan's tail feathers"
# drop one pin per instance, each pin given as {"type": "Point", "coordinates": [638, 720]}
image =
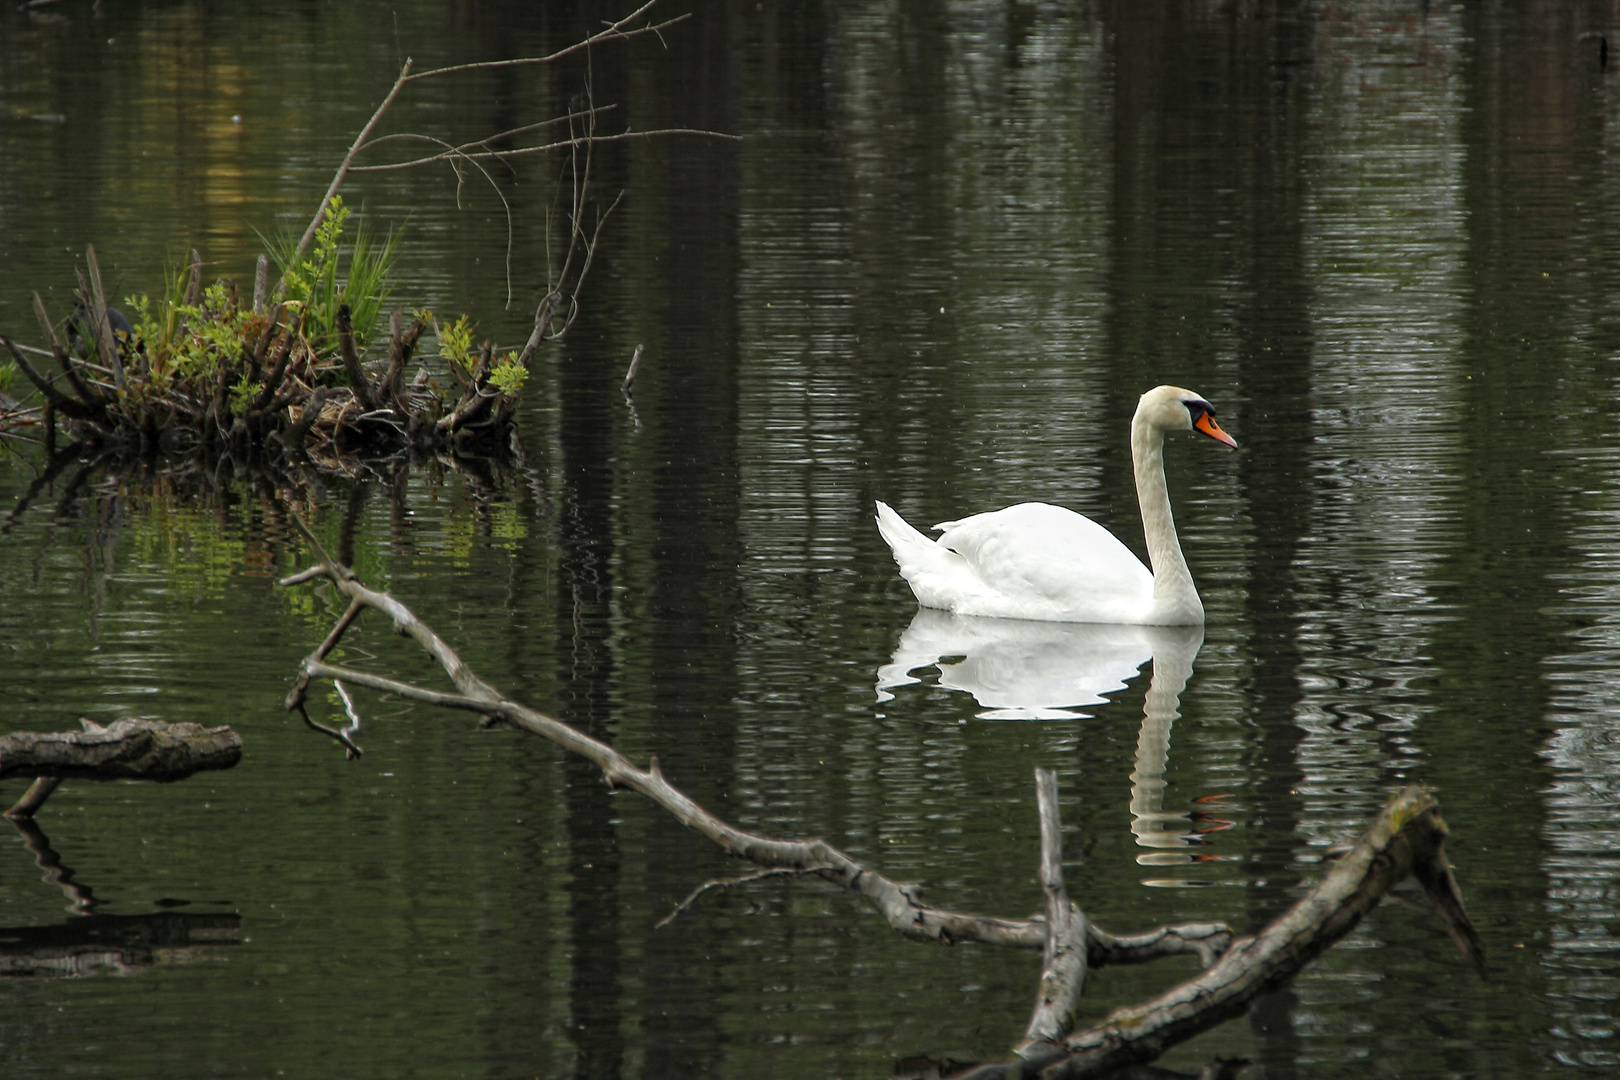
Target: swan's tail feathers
{"type": "Point", "coordinates": [923, 563]}
{"type": "Point", "coordinates": [902, 539]}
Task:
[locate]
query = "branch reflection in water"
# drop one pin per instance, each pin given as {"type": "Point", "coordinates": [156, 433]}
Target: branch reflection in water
{"type": "Point", "coordinates": [1021, 670]}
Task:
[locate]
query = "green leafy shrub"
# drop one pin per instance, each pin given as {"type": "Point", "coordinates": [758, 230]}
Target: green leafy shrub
{"type": "Point", "coordinates": [311, 284]}
{"type": "Point", "coordinates": [456, 343]}
{"type": "Point", "coordinates": [508, 375]}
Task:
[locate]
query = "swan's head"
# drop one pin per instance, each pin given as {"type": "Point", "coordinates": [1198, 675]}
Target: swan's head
{"type": "Point", "coordinates": [1170, 408]}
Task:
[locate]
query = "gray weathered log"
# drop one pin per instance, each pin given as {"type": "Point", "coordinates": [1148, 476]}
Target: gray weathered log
{"type": "Point", "coordinates": [128, 749]}
{"type": "Point", "coordinates": [1407, 838]}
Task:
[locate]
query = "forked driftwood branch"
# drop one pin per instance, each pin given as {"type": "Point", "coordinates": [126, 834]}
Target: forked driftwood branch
{"type": "Point", "coordinates": [127, 749]}
{"type": "Point", "coordinates": [1406, 838]}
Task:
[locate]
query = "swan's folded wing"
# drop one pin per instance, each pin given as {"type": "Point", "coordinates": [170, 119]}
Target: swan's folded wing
{"type": "Point", "coordinates": [1040, 556]}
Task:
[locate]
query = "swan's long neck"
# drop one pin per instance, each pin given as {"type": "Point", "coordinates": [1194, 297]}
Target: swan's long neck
{"type": "Point", "coordinates": [1173, 589]}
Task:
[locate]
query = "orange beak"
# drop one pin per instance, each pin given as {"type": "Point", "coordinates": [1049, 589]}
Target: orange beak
{"type": "Point", "coordinates": [1206, 423]}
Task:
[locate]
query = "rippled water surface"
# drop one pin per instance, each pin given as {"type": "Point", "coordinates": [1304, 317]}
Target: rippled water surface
{"type": "Point", "coordinates": [954, 244]}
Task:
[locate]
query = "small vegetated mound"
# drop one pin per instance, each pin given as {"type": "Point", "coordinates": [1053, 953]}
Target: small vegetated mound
{"type": "Point", "coordinates": [289, 377]}
{"type": "Point", "coordinates": [291, 372]}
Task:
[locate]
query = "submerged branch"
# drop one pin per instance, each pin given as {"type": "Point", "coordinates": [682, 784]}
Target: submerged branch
{"type": "Point", "coordinates": [726, 883]}
{"type": "Point", "coordinates": [1063, 976]}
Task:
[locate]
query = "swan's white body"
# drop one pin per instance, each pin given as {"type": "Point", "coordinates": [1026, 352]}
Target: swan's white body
{"type": "Point", "coordinates": [1036, 561]}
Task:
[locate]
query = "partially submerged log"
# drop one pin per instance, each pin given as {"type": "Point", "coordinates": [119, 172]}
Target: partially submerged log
{"type": "Point", "coordinates": [1407, 838]}
{"type": "Point", "coordinates": [128, 749]}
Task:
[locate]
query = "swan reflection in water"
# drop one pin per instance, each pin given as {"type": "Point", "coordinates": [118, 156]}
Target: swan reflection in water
{"type": "Point", "coordinates": [1024, 670]}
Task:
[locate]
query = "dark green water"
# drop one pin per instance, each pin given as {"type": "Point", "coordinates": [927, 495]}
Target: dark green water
{"type": "Point", "coordinates": [954, 245]}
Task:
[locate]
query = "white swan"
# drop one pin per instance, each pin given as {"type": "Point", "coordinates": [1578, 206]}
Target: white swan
{"type": "Point", "coordinates": [1036, 561]}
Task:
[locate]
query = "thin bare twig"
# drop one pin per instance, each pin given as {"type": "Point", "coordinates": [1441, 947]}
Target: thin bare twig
{"type": "Point", "coordinates": [350, 750]}
{"type": "Point", "coordinates": [612, 31]}
{"type": "Point", "coordinates": [465, 148]}
{"type": "Point", "coordinates": [343, 169]}
{"type": "Point", "coordinates": [543, 148]}
{"type": "Point", "coordinates": [454, 156]}
{"type": "Point", "coordinates": [630, 375]}
{"type": "Point", "coordinates": [726, 883]}
{"type": "Point", "coordinates": [36, 350]}
{"type": "Point", "coordinates": [580, 182]}
{"type": "Point", "coordinates": [55, 397]}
